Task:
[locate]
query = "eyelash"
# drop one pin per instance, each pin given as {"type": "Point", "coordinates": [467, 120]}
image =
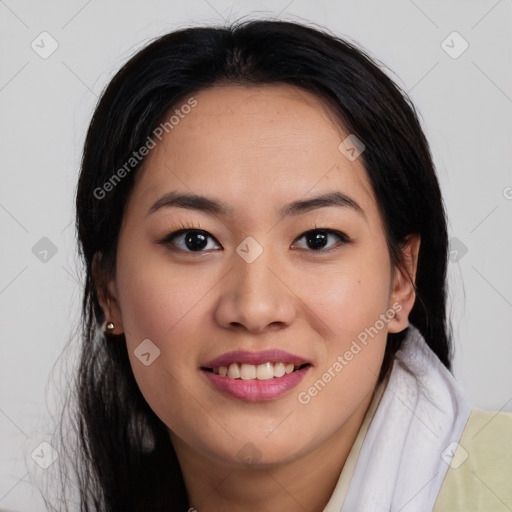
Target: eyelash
{"type": "Point", "coordinates": [184, 228]}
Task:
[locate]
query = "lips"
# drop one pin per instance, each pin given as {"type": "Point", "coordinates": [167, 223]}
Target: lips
{"type": "Point", "coordinates": [256, 376]}
{"type": "Point", "coordinates": [255, 358]}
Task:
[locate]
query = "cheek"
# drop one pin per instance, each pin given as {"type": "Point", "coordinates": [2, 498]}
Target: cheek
{"type": "Point", "coordinates": [350, 295]}
{"type": "Point", "coordinates": [351, 302]}
{"type": "Point", "coordinates": [156, 297]}
{"type": "Point", "coordinates": [161, 305]}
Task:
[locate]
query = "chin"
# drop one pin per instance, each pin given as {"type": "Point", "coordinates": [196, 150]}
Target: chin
{"type": "Point", "coordinates": [260, 453]}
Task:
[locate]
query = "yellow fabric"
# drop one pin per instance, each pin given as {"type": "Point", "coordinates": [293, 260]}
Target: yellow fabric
{"type": "Point", "coordinates": [480, 476]}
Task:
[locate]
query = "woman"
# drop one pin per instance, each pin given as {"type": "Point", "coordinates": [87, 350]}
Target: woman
{"type": "Point", "coordinates": [265, 247]}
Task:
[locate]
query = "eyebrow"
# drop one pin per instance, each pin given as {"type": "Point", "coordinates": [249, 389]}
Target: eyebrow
{"type": "Point", "coordinates": [214, 207]}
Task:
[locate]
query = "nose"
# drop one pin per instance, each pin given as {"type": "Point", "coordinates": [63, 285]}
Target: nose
{"type": "Point", "coordinates": [255, 296]}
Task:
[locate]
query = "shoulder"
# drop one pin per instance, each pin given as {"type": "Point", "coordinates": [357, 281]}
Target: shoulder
{"type": "Point", "coordinates": [480, 474]}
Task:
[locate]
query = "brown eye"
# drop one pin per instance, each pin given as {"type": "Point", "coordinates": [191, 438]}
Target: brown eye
{"type": "Point", "coordinates": [188, 240]}
{"type": "Point", "coordinates": [317, 239]}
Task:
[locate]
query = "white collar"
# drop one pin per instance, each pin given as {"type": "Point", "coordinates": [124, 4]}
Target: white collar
{"type": "Point", "coordinates": [410, 439]}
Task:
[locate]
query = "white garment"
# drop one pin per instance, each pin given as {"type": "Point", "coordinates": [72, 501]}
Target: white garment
{"type": "Point", "coordinates": [409, 442]}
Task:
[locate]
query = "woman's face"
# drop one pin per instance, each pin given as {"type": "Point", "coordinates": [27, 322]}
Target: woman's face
{"type": "Point", "coordinates": [257, 278]}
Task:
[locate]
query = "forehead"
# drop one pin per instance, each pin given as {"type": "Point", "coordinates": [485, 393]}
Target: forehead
{"type": "Point", "coordinates": [253, 146]}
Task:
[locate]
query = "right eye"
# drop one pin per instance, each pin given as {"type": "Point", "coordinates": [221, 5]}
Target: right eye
{"type": "Point", "coordinates": [187, 240]}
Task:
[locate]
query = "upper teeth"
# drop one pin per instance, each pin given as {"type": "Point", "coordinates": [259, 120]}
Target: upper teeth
{"type": "Point", "coordinates": [250, 371]}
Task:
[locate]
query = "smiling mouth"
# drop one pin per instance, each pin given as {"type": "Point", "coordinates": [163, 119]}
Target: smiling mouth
{"type": "Point", "coordinates": [265, 371]}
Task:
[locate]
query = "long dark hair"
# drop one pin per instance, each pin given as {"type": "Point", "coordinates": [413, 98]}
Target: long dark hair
{"type": "Point", "coordinates": [126, 461]}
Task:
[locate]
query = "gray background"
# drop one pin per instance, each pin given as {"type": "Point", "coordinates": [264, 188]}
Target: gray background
{"type": "Point", "coordinates": [46, 104]}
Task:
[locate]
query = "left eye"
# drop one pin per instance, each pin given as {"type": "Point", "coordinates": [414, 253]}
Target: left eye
{"type": "Point", "coordinates": [317, 238]}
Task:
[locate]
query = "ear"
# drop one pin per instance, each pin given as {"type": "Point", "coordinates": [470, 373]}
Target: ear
{"type": "Point", "coordinates": [107, 296]}
{"type": "Point", "coordinates": [403, 293]}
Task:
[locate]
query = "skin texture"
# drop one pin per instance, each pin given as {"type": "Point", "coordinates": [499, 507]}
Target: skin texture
{"type": "Point", "coordinates": [255, 149]}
